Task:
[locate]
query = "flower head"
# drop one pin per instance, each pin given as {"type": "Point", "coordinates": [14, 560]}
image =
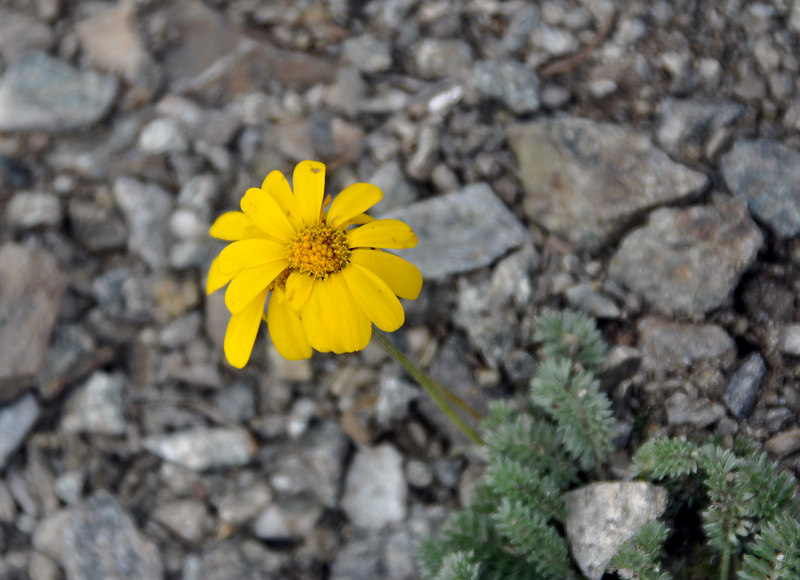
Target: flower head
{"type": "Point", "coordinates": [324, 274]}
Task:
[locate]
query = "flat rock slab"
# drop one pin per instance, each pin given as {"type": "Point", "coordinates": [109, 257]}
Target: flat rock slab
{"type": "Point", "coordinates": [41, 93]}
{"type": "Point", "coordinates": [98, 539]}
{"type": "Point", "coordinates": [602, 516]}
{"type": "Point", "coordinates": [203, 448]}
{"type": "Point", "coordinates": [688, 261]}
{"type": "Point", "coordinates": [585, 181]}
{"type": "Point", "coordinates": [766, 174]}
{"type": "Point", "coordinates": [31, 286]}
{"type": "Point", "coordinates": [673, 346]}
{"type": "Point", "coordinates": [460, 231]}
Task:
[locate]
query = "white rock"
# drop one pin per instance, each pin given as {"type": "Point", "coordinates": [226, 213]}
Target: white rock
{"type": "Point", "coordinates": [375, 488]}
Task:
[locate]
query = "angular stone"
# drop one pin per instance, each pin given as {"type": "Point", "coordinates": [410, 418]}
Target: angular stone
{"type": "Point", "coordinates": [602, 516]}
{"type": "Point", "coordinates": [460, 231]}
{"type": "Point", "coordinates": [235, 560]}
{"type": "Point", "coordinates": [186, 518]}
{"type": "Point", "coordinates": [767, 175]}
{"type": "Point", "coordinates": [789, 339]}
{"type": "Point", "coordinates": [685, 125]}
{"type": "Point", "coordinates": [146, 208]}
{"type": "Point", "coordinates": [688, 261]}
{"type": "Point", "coordinates": [16, 421]}
{"type": "Point", "coordinates": [586, 181]}
{"type": "Point", "coordinates": [673, 346]}
{"type": "Point", "coordinates": [742, 390]}
{"type": "Point", "coordinates": [682, 409]}
{"type": "Point", "coordinates": [98, 539]}
{"type": "Point", "coordinates": [290, 519]}
{"type": "Point", "coordinates": [20, 33]}
{"type": "Point", "coordinates": [509, 82]}
{"type": "Point", "coordinates": [161, 136]}
{"type": "Point", "coordinates": [41, 93]}
{"type": "Point", "coordinates": [30, 299]}
{"type": "Point", "coordinates": [203, 448]}
{"type": "Point", "coordinates": [368, 54]}
{"type": "Point", "coordinates": [29, 209]}
{"type": "Point", "coordinates": [436, 58]}
{"type": "Point", "coordinates": [375, 489]}
{"type": "Point", "coordinates": [97, 407]}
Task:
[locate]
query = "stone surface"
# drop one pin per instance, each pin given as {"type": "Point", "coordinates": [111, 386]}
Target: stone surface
{"type": "Point", "coordinates": [40, 93]}
{"type": "Point", "coordinates": [460, 231]}
{"type": "Point", "coordinates": [699, 412]}
{"type": "Point", "coordinates": [742, 390]}
{"type": "Point", "coordinates": [235, 560]}
{"type": "Point", "coordinates": [161, 136]}
{"type": "Point", "coordinates": [375, 488]}
{"type": "Point", "coordinates": [186, 518]}
{"type": "Point", "coordinates": [20, 33]}
{"type": "Point", "coordinates": [789, 340]}
{"type": "Point", "coordinates": [368, 54]}
{"type": "Point", "coordinates": [436, 58]}
{"type": "Point", "coordinates": [203, 448]}
{"type": "Point", "coordinates": [16, 420]}
{"type": "Point", "coordinates": [685, 127]}
{"type": "Point", "coordinates": [784, 444]}
{"type": "Point", "coordinates": [688, 261]}
{"type": "Point", "coordinates": [674, 346]}
{"type": "Point", "coordinates": [602, 516]}
{"type": "Point", "coordinates": [31, 209]}
{"type": "Point", "coordinates": [146, 209]}
{"type": "Point", "coordinates": [766, 174]}
{"type": "Point", "coordinates": [289, 519]}
{"type": "Point", "coordinates": [98, 539]}
{"type": "Point", "coordinates": [30, 299]}
{"type": "Point", "coordinates": [98, 407]}
{"type": "Point", "coordinates": [509, 82]}
{"type": "Point", "coordinates": [585, 181]}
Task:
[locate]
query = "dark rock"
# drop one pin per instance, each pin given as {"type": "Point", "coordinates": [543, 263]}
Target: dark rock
{"type": "Point", "coordinates": [688, 261]}
{"type": "Point", "coordinates": [16, 421]}
{"type": "Point", "coordinates": [96, 225]}
{"type": "Point", "coordinates": [30, 299]}
{"type": "Point", "coordinates": [742, 390]}
{"type": "Point", "coordinates": [585, 181]}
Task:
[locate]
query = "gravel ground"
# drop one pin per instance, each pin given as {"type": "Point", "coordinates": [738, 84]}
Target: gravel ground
{"type": "Point", "coordinates": [639, 161]}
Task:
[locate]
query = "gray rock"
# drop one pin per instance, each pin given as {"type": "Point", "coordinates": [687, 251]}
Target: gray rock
{"type": "Point", "coordinates": [237, 402]}
{"type": "Point", "coordinates": [685, 126]}
{"type": "Point", "coordinates": [20, 33]}
{"type": "Point", "coordinates": [673, 346]}
{"type": "Point", "coordinates": [742, 390]}
{"type": "Point", "coordinates": [789, 340]}
{"type": "Point", "coordinates": [367, 54]}
{"type": "Point", "coordinates": [621, 363]}
{"type": "Point", "coordinates": [584, 297]}
{"type": "Point", "coordinates": [30, 299]}
{"type": "Point", "coordinates": [240, 505]}
{"type": "Point", "coordinates": [290, 519]}
{"type": "Point", "coordinates": [688, 261]}
{"type": "Point", "coordinates": [460, 231]}
{"type": "Point", "coordinates": [394, 397]}
{"type": "Point", "coordinates": [509, 82]}
{"type": "Point", "coordinates": [200, 193]}
{"type": "Point", "coordinates": [369, 554]}
{"type": "Point", "coordinates": [602, 516]}
{"type": "Point", "coordinates": [784, 444]}
{"type": "Point", "coordinates": [186, 518]}
{"type": "Point", "coordinates": [30, 209]}
{"type": "Point", "coordinates": [122, 293]}
{"type": "Point", "coordinates": [683, 409]}
{"type": "Point", "coordinates": [40, 93]}
{"type": "Point", "coordinates": [586, 181]}
{"type": "Point", "coordinates": [146, 208]}
{"type": "Point", "coordinates": [767, 175]}
{"type": "Point", "coordinates": [426, 152]}
{"type": "Point", "coordinates": [97, 407]}
{"type": "Point", "coordinates": [313, 464]}
{"type": "Point", "coordinates": [96, 225]}
{"type": "Point", "coordinates": [16, 421]}
{"type": "Point", "coordinates": [397, 190]}
{"type": "Point", "coordinates": [98, 539]}
{"type": "Point", "coordinates": [161, 136]}
{"type": "Point", "coordinates": [235, 560]}
{"type": "Point", "coordinates": [180, 331]}
{"type": "Point", "coordinates": [375, 488]}
{"type": "Point", "coordinates": [436, 58]}
{"type": "Point", "coordinates": [520, 366]}
{"type": "Point", "coordinates": [203, 448]}
{"type": "Point", "coordinates": [73, 354]}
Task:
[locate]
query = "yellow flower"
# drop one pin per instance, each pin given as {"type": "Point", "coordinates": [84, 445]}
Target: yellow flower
{"type": "Point", "coordinates": [325, 276]}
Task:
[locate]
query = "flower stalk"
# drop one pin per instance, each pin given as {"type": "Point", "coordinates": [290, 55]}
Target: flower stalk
{"type": "Point", "coordinates": [443, 397]}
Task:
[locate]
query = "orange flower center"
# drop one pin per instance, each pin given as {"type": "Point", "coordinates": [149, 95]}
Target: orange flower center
{"type": "Point", "coordinates": [318, 251]}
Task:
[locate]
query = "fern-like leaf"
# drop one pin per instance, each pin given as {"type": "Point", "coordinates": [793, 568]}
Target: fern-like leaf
{"type": "Point", "coordinates": [571, 335]}
{"type": "Point", "coordinates": [775, 552]}
{"type": "Point", "coordinates": [639, 555]}
{"type": "Point", "coordinates": [660, 458]}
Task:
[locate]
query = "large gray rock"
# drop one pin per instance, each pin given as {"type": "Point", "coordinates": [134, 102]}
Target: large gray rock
{"type": "Point", "coordinates": [688, 261]}
{"type": "Point", "coordinates": [767, 175]}
{"type": "Point", "coordinates": [586, 181]}
{"type": "Point", "coordinates": [460, 231]}
{"type": "Point", "coordinates": [41, 93]}
{"type": "Point", "coordinates": [602, 516]}
{"type": "Point", "coordinates": [98, 539]}
{"type": "Point", "coordinates": [30, 299]}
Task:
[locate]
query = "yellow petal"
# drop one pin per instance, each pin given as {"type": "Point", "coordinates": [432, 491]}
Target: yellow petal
{"type": "Point", "coordinates": [216, 278]}
{"type": "Point", "coordinates": [309, 189]}
{"type": "Point", "coordinates": [386, 233]}
{"type": "Point", "coordinates": [332, 320]}
{"type": "Point", "coordinates": [401, 276]}
{"type": "Point", "coordinates": [232, 226]}
{"type": "Point", "coordinates": [286, 330]}
{"type": "Point", "coordinates": [276, 185]}
{"type": "Point", "coordinates": [298, 289]}
{"type": "Point", "coordinates": [249, 283]}
{"type": "Point", "coordinates": [374, 297]}
{"type": "Point", "coordinates": [242, 330]}
{"type": "Point", "coordinates": [265, 213]}
{"type": "Point", "coordinates": [247, 254]}
{"type": "Point", "coordinates": [352, 201]}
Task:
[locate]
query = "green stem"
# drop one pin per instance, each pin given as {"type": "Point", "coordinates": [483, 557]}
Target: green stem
{"type": "Point", "coordinates": [724, 572]}
{"type": "Point", "coordinates": [438, 393]}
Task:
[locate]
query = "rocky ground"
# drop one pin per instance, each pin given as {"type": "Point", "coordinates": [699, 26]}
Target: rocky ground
{"type": "Point", "coordinates": [636, 160]}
